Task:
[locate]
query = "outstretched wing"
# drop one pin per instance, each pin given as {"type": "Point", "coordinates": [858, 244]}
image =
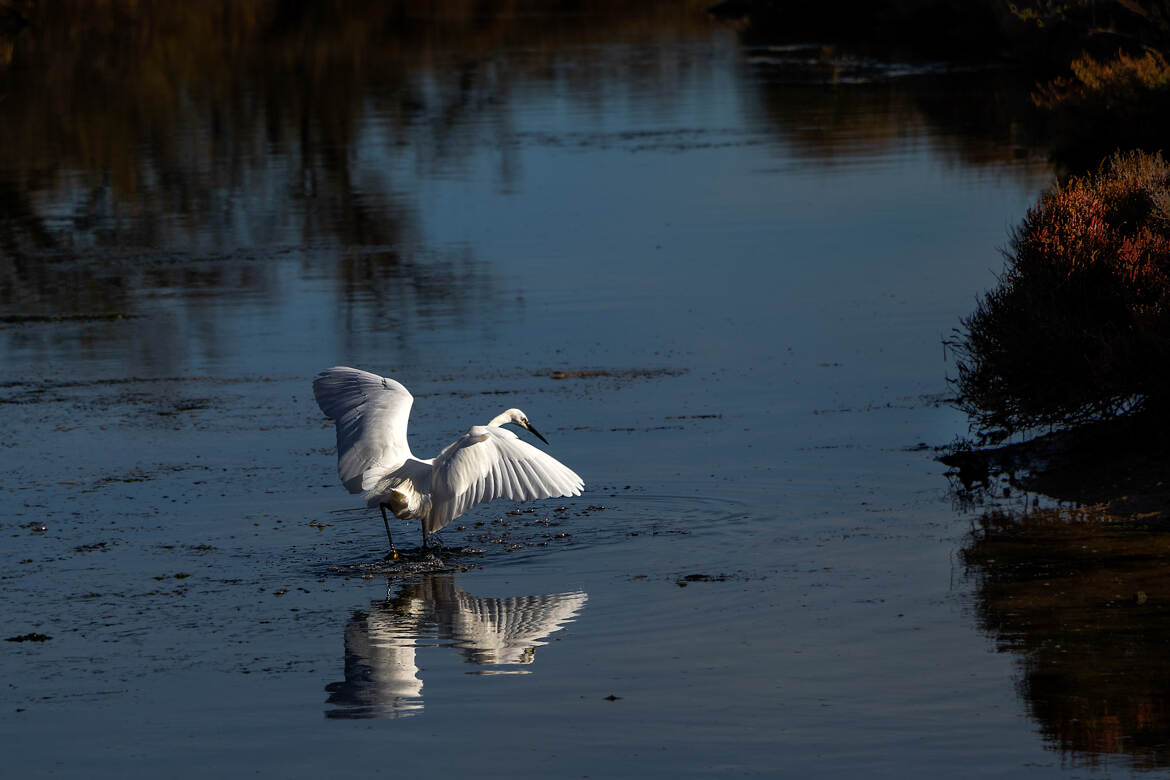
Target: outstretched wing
{"type": "Point", "coordinates": [489, 462]}
{"type": "Point", "coordinates": [371, 413]}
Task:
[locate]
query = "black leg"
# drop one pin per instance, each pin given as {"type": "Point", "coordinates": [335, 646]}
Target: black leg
{"type": "Point", "coordinates": [393, 554]}
{"type": "Point", "coordinates": [423, 525]}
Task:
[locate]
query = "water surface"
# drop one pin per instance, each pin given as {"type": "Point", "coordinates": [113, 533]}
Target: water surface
{"type": "Point", "coordinates": [741, 260]}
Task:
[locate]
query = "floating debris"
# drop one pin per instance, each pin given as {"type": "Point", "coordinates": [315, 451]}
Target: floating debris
{"type": "Point", "coordinates": [29, 638]}
{"type": "Point", "coordinates": [24, 319]}
{"type": "Point", "coordinates": [634, 373]}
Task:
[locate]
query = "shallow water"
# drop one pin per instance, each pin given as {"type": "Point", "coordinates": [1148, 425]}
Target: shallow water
{"type": "Point", "coordinates": [744, 259]}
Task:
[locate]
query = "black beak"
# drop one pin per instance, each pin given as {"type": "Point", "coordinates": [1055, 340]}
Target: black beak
{"type": "Point", "coordinates": [536, 433]}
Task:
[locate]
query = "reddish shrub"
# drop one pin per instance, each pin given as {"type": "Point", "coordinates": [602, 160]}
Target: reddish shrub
{"type": "Point", "coordinates": [1078, 328]}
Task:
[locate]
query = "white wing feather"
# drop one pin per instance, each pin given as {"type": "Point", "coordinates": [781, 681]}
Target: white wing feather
{"type": "Point", "coordinates": [371, 414]}
{"type": "Point", "coordinates": [489, 462]}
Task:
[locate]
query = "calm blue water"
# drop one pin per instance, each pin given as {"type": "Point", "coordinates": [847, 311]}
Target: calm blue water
{"type": "Point", "coordinates": [758, 251]}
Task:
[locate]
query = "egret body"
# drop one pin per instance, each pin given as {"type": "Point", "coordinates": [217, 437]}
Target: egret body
{"type": "Point", "coordinates": [373, 457]}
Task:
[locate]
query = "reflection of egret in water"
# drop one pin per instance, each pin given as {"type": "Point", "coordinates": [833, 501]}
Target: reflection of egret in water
{"type": "Point", "coordinates": [381, 673]}
{"type": "Point", "coordinates": [1082, 600]}
{"type": "Point", "coordinates": [381, 678]}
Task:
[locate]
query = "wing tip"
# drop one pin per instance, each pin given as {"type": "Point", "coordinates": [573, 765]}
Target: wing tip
{"type": "Point", "coordinates": [322, 374]}
{"type": "Point", "coordinates": [325, 381]}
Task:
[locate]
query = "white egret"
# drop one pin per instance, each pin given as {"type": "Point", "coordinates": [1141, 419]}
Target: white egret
{"type": "Point", "coordinates": [485, 463]}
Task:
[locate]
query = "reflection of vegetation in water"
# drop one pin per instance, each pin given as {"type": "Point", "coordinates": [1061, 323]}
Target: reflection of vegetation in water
{"type": "Point", "coordinates": [931, 28]}
{"type": "Point", "coordinates": [1116, 96]}
{"type": "Point", "coordinates": [843, 108]}
{"type": "Point", "coordinates": [151, 122]}
{"type": "Point", "coordinates": [1117, 468]}
{"type": "Point", "coordinates": [173, 107]}
{"type": "Point", "coordinates": [1080, 592]}
{"type": "Point", "coordinates": [1083, 600]}
{"type": "Point", "coordinates": [155, 145]}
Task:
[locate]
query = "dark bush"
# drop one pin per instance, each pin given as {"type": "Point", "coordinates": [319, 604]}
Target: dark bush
{"type": "Point", "coordinates": [1104, 104]}
{"type": "Point", "coordinates": [1122, 85]}
{"type": "Point", "coordinates": [1078, 328]}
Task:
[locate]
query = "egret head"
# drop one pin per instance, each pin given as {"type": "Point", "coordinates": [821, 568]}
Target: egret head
{"type": "Point", "coordinates": [517, 417]}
